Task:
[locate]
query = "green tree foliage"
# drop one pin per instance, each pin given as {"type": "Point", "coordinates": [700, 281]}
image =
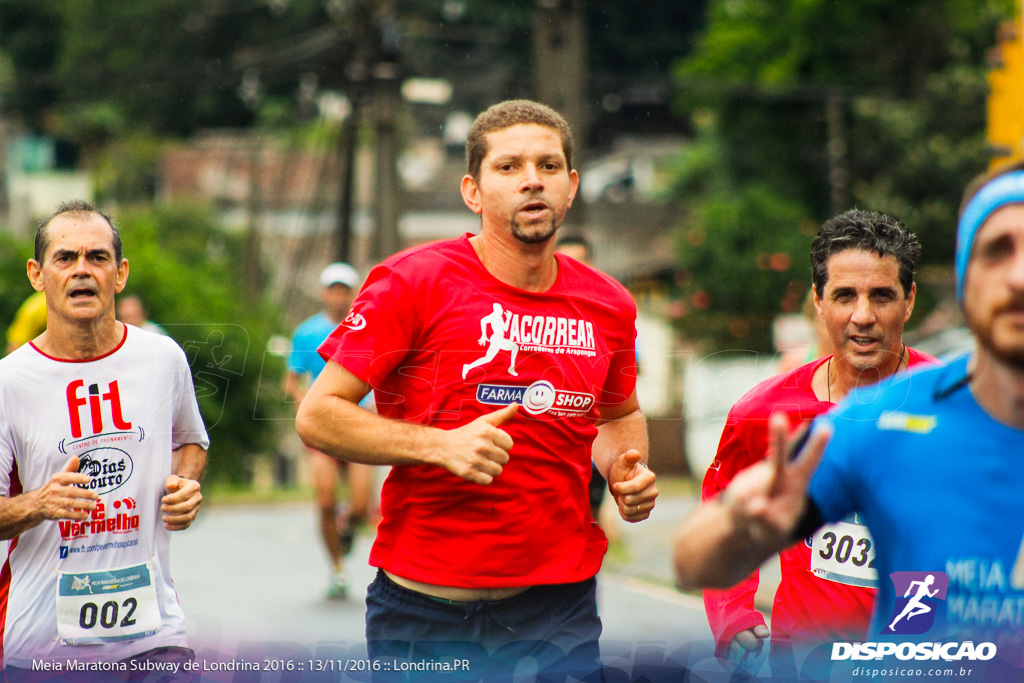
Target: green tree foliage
{"type": "Point", "coordinates": [908, 80]}
{"type": "Point", "coordinates": [96, 69]}
{"type": "Point", "coordinates": [14, 284]}
{"type": "Point", "coordinates": [743, 245]}
{"type": "Point", "coordinates": [186, 271]}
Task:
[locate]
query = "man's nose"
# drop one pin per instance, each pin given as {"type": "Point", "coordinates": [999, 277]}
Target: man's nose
{"type": "Point", "coordinates": [531, 181]}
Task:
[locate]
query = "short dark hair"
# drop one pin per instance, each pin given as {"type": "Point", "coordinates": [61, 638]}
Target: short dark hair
{"type": "Point", "coordinates": [77, 208]}
{"type": "Point", "coordinates": [511, 113]}
{"type": "Point", "coordinates": [576, 241]}
{"type": "Point", "coordinates": [870, 231]}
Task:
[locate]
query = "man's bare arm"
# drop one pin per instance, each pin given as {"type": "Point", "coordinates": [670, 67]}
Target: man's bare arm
{"type": "Point", "coordinates": [620, 453]}
{"type": "Point", "coordinates": [180, 505]}
{"type": "Point", "coordinates": [331, 421]}
{"type": "Point", "coordinates": [295, 385]}
{"type": "Point", "coordinates": [60, 498]}
{"type": "Point", "coordinates": [725, 539]}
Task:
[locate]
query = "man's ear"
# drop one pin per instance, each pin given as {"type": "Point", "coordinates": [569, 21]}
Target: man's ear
{"type": "Point", "coordinates": [911, 297]}
{"type": "Point", "coordinates": [35, 274]}
{"type": "Point", "coordinates": [574, 185]}
{"type": "Point", "coordinates": [471, 194]}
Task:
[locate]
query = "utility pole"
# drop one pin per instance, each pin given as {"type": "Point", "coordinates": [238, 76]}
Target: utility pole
{"type": "Point", "coordinates": [373, 72]}
{"type": "Point", "coordinates": [348, 141]}
{"type": "Point", "coordinates": [251, 93]}
{"type": "Point", "coordinates": [560, 60]}
{"type": "Point", "coordinates": [560, 72]}
{"type": "Point", "coordinates": [836, 148]}
{"type": "Point", "coordinates": [386, 102]}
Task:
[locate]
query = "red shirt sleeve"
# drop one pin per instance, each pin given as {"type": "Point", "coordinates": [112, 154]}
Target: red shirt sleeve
{"type": "Point", "coordinates": [621, 379]}
{"type": "Point", "coordinates": [731, 610]}
{"type": "Point", "coordinates": [380, 328]}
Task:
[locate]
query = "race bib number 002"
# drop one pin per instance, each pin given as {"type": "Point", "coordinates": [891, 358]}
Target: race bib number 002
{"type": "Point", "coordinates": [844, 553]}
{"type": "Point", "coordinates": [107, 606]}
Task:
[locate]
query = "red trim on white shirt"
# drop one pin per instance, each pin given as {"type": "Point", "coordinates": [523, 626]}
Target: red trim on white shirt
{"type": "Point", "coordinates": [5, 572]}
{"type": "Point", "coordinates": [85, 360]}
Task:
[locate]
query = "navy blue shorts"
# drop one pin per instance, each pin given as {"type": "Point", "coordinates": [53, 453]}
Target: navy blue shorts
{"type": "Point", "coordinates": [550, 630]}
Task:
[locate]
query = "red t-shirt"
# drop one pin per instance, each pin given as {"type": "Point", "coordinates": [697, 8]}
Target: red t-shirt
{"type": "Point", "coordinates": [807, 609]}
{"type": "Point", "coordinates": [442, 342]}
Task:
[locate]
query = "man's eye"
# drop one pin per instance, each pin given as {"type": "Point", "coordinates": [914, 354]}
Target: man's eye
{"type": "Point", "coordinates": [997, 250]}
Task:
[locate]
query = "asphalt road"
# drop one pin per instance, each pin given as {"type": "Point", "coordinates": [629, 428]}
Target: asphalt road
{"type": "Point", "coordinates": [252, 580]}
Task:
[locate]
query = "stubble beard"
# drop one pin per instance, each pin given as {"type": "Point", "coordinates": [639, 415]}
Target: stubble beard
{"type": "Point", "coordinates": [534, 237]}
{"type": "Point", "coordinates": [1011, 355]}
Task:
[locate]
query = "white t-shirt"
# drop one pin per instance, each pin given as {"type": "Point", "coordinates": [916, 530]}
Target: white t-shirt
{"type": "Point", "coordinates": [99, 589]}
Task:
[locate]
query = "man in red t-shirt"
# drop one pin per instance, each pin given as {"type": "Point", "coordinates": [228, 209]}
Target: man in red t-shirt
{"type": "Point", "coordinates": [863, 271]}
{"type": "Point", "coordinates": [500, 370]}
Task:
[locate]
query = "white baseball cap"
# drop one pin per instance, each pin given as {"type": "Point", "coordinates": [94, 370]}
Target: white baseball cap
{"type": "Point", "coordinates": [339, 273]}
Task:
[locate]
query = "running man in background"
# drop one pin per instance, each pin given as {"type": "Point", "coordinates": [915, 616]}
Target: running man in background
{"type": "Point", "coordinates": [905, 457]}
{"type": "Point", "coordinates": [863, 270]}
{"type": "Point", "coordinates": [338, 285]}
{"type": "Point", "coordinates": [576, 247]}
{"type": "Point", "coordinates": [579, 248]}
{"type": "Point", "coordinates": [487, 536]}
{"type": "Point", "coordinates": [130, 310]}
{"type": "Point", "coordinates": [817, 343]}
{"type": "Point", "coordinates": [80, 512]}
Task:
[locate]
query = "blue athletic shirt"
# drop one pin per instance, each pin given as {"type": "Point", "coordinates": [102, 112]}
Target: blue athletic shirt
{"type": "Point", "coordinates": [940, 484]}
{"type": "Point", "coordinates": [308, 337]}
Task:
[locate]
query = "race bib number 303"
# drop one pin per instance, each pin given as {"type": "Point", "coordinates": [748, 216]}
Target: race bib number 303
{"type": "Point", "coordinates": [844, 552]}
{"type": "Point", "coordinates": [107, 606]}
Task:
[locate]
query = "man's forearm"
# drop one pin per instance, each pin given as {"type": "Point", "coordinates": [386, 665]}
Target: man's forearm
{"type": "Point", "coordinates": [345, 431]}
{"type": "Point", "coordinates": [715, 548]}
{"type": "Point", "coordinates": [189, 461]}
{"type": "Point", "coordinates": [18, 514]}
{"type": "Point", "coordinates": [295, 385]}
{"type": "Point", "coordinates": [617, 436]}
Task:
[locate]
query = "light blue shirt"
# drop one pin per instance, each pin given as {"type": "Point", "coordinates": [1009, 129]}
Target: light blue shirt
{"type": "Point", "coordinates": [308, 337]}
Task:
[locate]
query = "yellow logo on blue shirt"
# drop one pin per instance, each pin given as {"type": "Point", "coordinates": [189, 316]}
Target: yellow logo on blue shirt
{"type": "Point", "coordinates": [897, 421]}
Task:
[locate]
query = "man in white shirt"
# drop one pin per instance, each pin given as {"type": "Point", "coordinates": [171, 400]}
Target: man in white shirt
{"type": "Point", "coordinates": [101, 446]}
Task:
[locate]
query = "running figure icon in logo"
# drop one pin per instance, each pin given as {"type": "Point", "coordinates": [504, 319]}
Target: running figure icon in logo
{"type": "Point", "coordinates": [914, 606]}
{"type": "Point", "coordinates": [498, 321]}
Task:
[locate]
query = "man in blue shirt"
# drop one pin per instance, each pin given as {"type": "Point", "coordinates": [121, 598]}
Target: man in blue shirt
{"type": "Point", "coordinates": [339, 284]}
{"type": "Point", "coordinates": [930, 459]}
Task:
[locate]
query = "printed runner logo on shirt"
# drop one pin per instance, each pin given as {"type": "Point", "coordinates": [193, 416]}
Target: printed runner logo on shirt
{"type": "Point", "coordinates": [514, 332]}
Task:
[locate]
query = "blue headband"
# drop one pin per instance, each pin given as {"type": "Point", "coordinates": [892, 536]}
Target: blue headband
{"type": "Point", "coordinates": [1006, 189]}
